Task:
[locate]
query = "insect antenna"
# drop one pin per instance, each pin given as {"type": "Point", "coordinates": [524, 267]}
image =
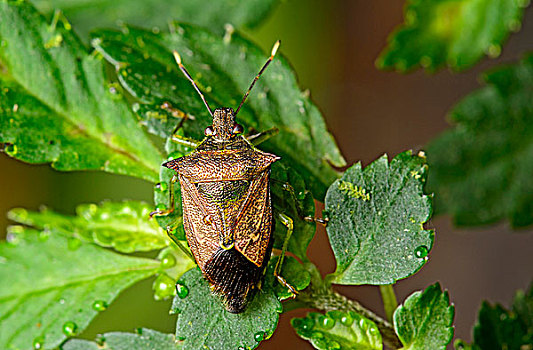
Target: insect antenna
{"type": "Point", "coordinates": [184, 70]}
{"type": "Point", "coordinates": [272, 54]}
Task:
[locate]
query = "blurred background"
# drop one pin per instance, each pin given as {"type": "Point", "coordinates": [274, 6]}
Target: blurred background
{"type": "Point", "coordinates": [332, 46]}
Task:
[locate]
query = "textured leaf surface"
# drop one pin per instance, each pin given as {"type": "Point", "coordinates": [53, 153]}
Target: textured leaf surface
{"type": "Point", "coordinates": [292, 271]}
{"type": "Point", "coordinates": [498, 328]}
{"type": "Point", "coordinates": [338, 330]}
{"type": "Point", "coordinates": [88, 14]}
{"type": "Point", "coordinates": [49, 284]}
{"type": "Point", "coordinates": [203, 321]}
{"type": "Point", "coordinates": [123, 226]}
{"type": "Point", "coordinates": [56, 107]}
{"type": "Point", "coordinates": [145, 339]}
{"type": "Point", "coordinates": [223, 69]}
{"type": "Point", "coordinates": [424, 321]}
{"type": "Point", "coordinates": [376, 218]}
{"type": "Point", "coordinates": [481, 169]}
{"type": "Point", "coordinates": [456, 33]}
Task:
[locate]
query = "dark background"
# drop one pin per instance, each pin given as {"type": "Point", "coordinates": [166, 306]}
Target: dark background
{"type": "Point", "coordinates": [332, 46]}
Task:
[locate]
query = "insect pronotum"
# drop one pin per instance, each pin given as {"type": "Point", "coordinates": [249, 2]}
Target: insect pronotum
{"type": "Point", "coordinates": [227, 211]}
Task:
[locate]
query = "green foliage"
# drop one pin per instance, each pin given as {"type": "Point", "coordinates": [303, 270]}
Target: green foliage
{"type": "Point", "coordinates": [54, 105]}
{"type": "Point", "coordinates": [338, 330]}
{"type": "Point", "coordinates": [376, 218]}
{"type": "Point", "coordinates": [88, 14]}
{"type": "Point", "coordinates": [481, 169]}
{"type": "Point", "coordinates": [292, 271]}
{"type": "Point", "coordinates": [456, 33]}
{"type": "Point", "coordinates": [145, 339]}
{"type": "Point", "coordinates": [223, 69]}
{"type": "Point", "coordinates": [424, 321]}
{"type": "Point", "coordinates": [123, 226]}
{"type": "Point", "coordinates": [55, 288]}
{"type": "Point", "coordinates": [498, 328]}
{"type": "Point", "coordinates": [203, 321]}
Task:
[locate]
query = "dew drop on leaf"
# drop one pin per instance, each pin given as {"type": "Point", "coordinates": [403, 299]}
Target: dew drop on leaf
{"type": "Point", "coordinates": [182, 290]}
{"type": "Point", "coordinates": [11, 150]}
{"type": "Point", "coordinates": [259, 336]}
{"type": "Point", "coordinates": [161, 187]}
{"type": "Point", "coordinates": [333, 345]}
{"type": "Point", "coordinates": [421, 252]}
{"type": "Point", "coordinates": [38, 343]}
{"type": "Point", "coordinates": [69, 328]}
{"type": "Point", "coordinates": [326, 322]}
{"type": "Point", "coordinates": [307, 324]}
{"type": "Point", "coordinates": [347, 320]}
{"type": "Point", "coordinates": [168, 261]}
{"type": "Point", "coordinates": [73, 243]}
{"type": "Point", "coordinates": [99, 305]}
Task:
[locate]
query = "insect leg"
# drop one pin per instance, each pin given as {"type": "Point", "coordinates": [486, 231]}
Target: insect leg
{"type": "Point", "coordinates": [184, 141]}
{"type": "Point", "coordinates": [178, 243]}
{"type": "Point", "coordinates": [260, 137]}
{"type": "Point", "coordinates": [287, 221]}
{"type": "Point", "coordinates": [171, 200]}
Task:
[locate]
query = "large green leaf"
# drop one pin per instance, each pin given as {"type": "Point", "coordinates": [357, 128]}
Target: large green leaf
{"type": "Point", "coordinates": [55, 105]}
{"type": "Point", "coordinates": [124, 226]}
{"type": "Point", "coordinates": [88, 14]}
{"type": "Point", "coordinates": [481, 168]}
{"type": "Point", "coordinates": [52, 288]}
{"type": "Point", "coordinates": [456, 33]}
{"type": "Point", "coordinates": [145, 339]}
{"type": "Point", "coordinates": [223, 69]}
{"type": "Point", "coordinates": [204, 323]}
{"type": "Point", "coordinates": [424, 321]}
{"type": "Point", "coordinates": [338, 330]}
{"type": "Point", "coordinates": [376, 217]}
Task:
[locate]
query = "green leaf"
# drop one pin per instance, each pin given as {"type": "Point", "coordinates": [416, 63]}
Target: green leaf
{"type": "Point", "coordinates": [292, 271]}
{"type": "Point", "coordinates": [376, 219]}
{"type": "Point", "coordinates": [453, 33]}
{"type": "Point", "coordinates": [124, 226]}
{"type": "Point", "coordinates": [145, 339]}
{"type": "Point", "coordinates": [498, 328]}
{"type": "Point", "coordinates": [223, 69]}
{"type": "Point", "coordinates": [338, 330]}
{"type": "Point", "coordinates": [88, 14]}
{"type": "Point", "coordinates": [424, 321]}
{"type": "Point", "coordinates": [481, 168]}
{"type": "Point", "coordinates": [53, 289]}
{"type": "Point", "coordinates": [55, 105]}
{"type": "Point", "coordinates": [203, 321]}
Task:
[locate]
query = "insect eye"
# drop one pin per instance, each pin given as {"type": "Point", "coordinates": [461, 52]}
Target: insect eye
{"type": "Point", "coordinates": [209, 131]}
{"type": "Point", "coordinates": [237, 129]}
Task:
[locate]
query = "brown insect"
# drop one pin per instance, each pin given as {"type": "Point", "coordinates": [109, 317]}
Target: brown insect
{"type": "Point", "coordinates": [227, 211]}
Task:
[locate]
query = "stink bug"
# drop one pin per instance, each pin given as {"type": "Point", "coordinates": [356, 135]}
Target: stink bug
{"type": "Point", "coordinates": [227, 212]}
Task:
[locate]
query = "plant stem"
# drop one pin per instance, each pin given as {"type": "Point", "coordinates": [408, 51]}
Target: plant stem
{"type": "Point", "coordinates": [321, 296]}
{"type": "Point", "coordinates": [389, 300]}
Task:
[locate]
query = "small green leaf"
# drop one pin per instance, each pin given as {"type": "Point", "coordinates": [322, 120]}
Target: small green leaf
{"type": "Point", "coordinates": [338, 330]}
{"type": "Point", "coordinates": [89, 14]}
{"type": "Point", "coordinates": [54, 289]}
{"type": "Point", "coordinates": [498, 328]}
{"type": "Point", "coordinates": [292, 271]}
{"type": "Point", "coordinates": [124, 226]}
{"type": "Point", "coordinates": [223, 70]}
{"type": "Point", "coordinates": [481, 168]}
{"type": "Point", "coordinates": [55, 105]}
{"type": "Point", "coordinates": [456, 33]}
{"type": "Point", "coordinates": [145, 339]}
{"type": "Point", "coordinates": [203, 321]}
{"type": "Point", "coordinates": [424, 321]}
{"type": "Point", "coordinates": [376, 219]}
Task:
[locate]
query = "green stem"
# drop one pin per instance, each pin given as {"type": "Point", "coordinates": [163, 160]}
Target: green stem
{"type": "Point", "coordinates": [389, 300]}
{"type": "Point", "coordinates": [321, 296]}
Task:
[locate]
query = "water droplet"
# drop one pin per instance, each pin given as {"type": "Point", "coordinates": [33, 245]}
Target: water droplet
{"type": "Point", "coordinates": [317, 335]}
{"type": "Point", "coordinates": [347, 320]}
{"type": "Point", "coordinates": [320, 343]}
{"type": "Point", "coordinates": [174, 155]}
{"type": "Point", "coordinates": [421, 252]}
{"type": "Point", "coordinates": [182, 290]}
{"type": "Point", "coordinates": [242, 348]}
{"type": "Point", "coordinates": [12, 238]}
{"type": "Point", "coordinates": [163, 287]}
{"type": "Point", "coordinates": [168, 261]}
{"type": "Point", "coordinates": [155, 30]}
{"type": "Point", "coordinates": [99, 305]}
{"type": "Point", "coordinates": [69, 328]}
{"type": "Point", "coordinates": [494, 50]}
{"type": "Point", "coordinates": [161, 187]}
{"type": "Point", "coordinates": [62, 301]}
{"type": "Point", "coordinates": [11, 149]}
{"type": "Point", "coordinates": [326, 322]}
{"type": "Point", "coordinates": [307, 324]}
{"type": "Point", "coordinates": [73, 243]}
{"type": "Point", "coordinates": [259, 336]}
{"type": "Point", "coordinates": [161, 207]}
{"type": "Point", "coordinates": [363, 324]}
{"type": "Point", "coordinates": [38, 342]}
{"type": "Point", "coordinates": [333, 345]}
{"type": "Point", "coordinates": [113, 90]}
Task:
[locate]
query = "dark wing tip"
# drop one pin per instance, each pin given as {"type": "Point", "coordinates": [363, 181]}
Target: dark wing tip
{"type": "Point", "coordinates": [172, 164]}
